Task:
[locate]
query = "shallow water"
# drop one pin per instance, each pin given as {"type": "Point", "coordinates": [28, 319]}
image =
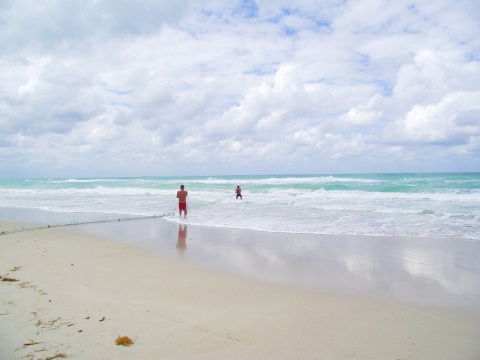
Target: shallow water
{"type": "Point", "coordinates": [414, 205]}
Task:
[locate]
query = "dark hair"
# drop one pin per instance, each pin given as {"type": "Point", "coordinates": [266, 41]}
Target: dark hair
{"type": "Point", "coordinates": [181, 186]}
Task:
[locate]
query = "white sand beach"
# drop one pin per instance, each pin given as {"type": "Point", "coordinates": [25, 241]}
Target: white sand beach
{"type": "Point", "coordinates": [76, 293]}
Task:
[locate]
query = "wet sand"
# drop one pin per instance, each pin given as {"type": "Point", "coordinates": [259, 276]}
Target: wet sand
{"type": "Point", "coordinates": [185, 292]}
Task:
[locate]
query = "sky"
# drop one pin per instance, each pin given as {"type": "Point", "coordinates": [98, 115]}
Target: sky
{"type": "Point", "coordinates": [93, 88]}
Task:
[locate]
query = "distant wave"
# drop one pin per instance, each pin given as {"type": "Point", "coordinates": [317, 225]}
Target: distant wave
{"type": "Point", "coordinates": [427, 205]}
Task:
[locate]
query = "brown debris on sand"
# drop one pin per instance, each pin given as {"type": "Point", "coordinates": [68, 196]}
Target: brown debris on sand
{"type": "Point", "coordinates": [56, 356]}
{"type": "Point", "coordinates": [124, 340]}
{"type": "Point", "coordinates": [7, 279]}
{"type": "Point", "coordinates": [31, 342]}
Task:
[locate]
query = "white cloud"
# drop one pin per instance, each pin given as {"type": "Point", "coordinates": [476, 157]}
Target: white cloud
{"type": "Point", "coordinates": [184, 87]}
{"type": "Point", "coordinates": [453, 120]}
{"type": "Point", "coordinates": [358, 117]}
{"type": "Point", "coordinates": [440, 99]}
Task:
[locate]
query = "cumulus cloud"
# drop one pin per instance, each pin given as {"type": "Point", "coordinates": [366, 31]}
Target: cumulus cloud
{"type": "Point", "coordinates": [453, 120]}
{"type": "Point", "coordinates": [100, 87]}
{"type": "Point", "coordinates": [441, 100]}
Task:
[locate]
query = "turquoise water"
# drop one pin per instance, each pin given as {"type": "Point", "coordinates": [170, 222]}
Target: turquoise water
{"type": "Point", "coordinates": [426, 205]}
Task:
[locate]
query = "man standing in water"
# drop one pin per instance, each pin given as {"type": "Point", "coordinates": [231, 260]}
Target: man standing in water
{"type": "Point", "coordinates": [238, 191]}
{"type": "Point", "coordinates": [182, 201]}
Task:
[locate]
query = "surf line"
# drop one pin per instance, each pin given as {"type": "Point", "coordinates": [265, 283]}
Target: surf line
{"type": "Point", "coordinates": [22, 229]}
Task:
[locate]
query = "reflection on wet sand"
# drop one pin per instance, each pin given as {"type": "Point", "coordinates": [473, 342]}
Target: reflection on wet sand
{"type": "Point", "coordinates": [439, 272]}
{"type": "Point", "coordinates": [182, 238]}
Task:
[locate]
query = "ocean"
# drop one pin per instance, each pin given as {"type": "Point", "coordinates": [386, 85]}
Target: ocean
{"type": "Point", "coordinates": [439, 205]}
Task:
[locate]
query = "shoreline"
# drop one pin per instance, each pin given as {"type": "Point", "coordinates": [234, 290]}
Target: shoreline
{"type": "Point", "coordinates": [432, 272]}
{"type": "Point", "coordinates": [77, 292]}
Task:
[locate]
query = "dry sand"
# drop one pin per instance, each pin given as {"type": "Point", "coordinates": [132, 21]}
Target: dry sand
{"type": "Point", "coordinates": [76, 293]}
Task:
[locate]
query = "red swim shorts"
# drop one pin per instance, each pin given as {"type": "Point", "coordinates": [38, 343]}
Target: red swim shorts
{"type": "Point", "coordinates": [182, 206]}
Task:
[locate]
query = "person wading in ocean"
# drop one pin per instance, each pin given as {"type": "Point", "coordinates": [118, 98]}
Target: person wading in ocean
{"type": "Point", "coordinates": [238, 191]}
{"type": "Point", "coordinates": [182, 201]}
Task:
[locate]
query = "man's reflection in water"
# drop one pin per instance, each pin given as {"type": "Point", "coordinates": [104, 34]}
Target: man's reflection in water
{"type": "Point", "coordinates": [182, 236]}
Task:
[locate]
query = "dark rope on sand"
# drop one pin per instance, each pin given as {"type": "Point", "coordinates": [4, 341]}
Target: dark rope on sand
{"type": "Point", "coordinates": [23, 229]}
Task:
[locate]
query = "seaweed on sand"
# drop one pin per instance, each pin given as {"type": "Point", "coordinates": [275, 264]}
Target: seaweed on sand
{"type": "Point", "coordinates": [124, 340]}
{"type": "Point", "coordinates": [60, 355]}
{"type": "Point", "coordinates": [7, 279]}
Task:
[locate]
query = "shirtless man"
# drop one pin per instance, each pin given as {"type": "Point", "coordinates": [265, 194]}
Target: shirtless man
{"type": "Point", "coordinates": [238, 191]}
{"type": "Point", "coordinates": [182, 201]}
